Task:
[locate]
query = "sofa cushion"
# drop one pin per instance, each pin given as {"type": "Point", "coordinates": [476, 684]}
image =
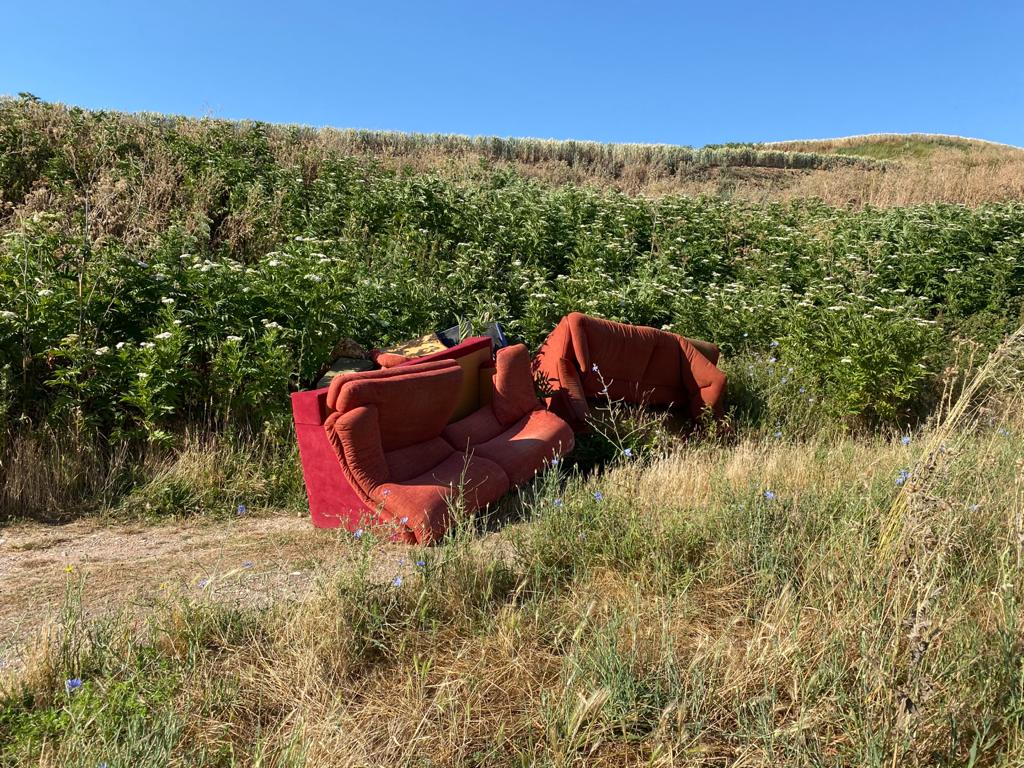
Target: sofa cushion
{"type": "Point", "coordinates": [523, 448]}
{"type": "Point", "coordinates": [423, 504]}
{"type": "Point", "coordinates": [413, 404]}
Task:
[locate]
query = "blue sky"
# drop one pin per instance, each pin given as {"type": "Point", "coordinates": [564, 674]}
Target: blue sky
{"type": "Point", "coordinates": [681, 73]}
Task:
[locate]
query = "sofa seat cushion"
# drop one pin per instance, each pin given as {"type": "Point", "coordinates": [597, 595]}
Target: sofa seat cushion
{"type": "Point", "coordinates": [522, 449]}
{"type": "Point", "coordinates": [423, 504]}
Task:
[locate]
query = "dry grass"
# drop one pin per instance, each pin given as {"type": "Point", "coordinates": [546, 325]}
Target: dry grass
{"type": "Point", "coordinates": [882, 170]}
{"type": "Point", "coordinates": [684, 619]}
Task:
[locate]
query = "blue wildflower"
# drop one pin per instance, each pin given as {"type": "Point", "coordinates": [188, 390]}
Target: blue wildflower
{"type": "Point", "coordinates": [628, 453]}
{"type": "Point", "coordinates": [358, 534]}
{"type": "Point", "coordinates": [772, 360]}
{"type": "Point", "coordinates": [421, 563]}
{"type": "Point", "coordinates": [247, 564]}
{"type": "Point", "coordinates": [802, 390]}
{"type": "Point", "coordinates": [778, 433]}
{"type": "Point", "coordinates": [770, 495]}
{"type": "Point", "coordinates": [598, 496]}
{"type": "Point", "coordinates": [73, 684]}
{"type": "Point", "coordinates": [594, 368]}
{"type": "Point", "coordinates": [241, 510]}
{"type": "Point", "coordinates": [774, 344]}
{"type": "Point", "coordinates": [903, 476]}
{"type": "Point", "coordinates": [554, 461]}
{"type": "Point", "coordinates": [404, 520]}
{"type": "Point", "coordinates": [905, 440]}
{"type": "Point", "coordinates": [557, 502]}
{"type": "Point", "coordinates": [396, 582]}
{"type": "Point", "coordinates": [203, 583]}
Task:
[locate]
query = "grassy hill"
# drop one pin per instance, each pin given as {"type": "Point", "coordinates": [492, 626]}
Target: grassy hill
{"type": "Point", "coordinates": [878, 170]}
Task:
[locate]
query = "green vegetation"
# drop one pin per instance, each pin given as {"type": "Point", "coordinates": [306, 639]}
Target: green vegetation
{"type": "Point", "coordinates": [168, 276]}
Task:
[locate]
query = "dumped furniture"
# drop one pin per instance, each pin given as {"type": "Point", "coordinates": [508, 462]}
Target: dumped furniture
{"type": "Point", "coordinates": [586, 358]}
{"type": "Point", "coordinates": [408, 446]}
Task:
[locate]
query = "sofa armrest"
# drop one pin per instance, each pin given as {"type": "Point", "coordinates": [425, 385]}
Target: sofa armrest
{"type": "Point", "coordinates": [573, 394]}
{"type": "Point", "coordinates": [703, 381]}
{"type": "Point", "coordinates": [513, 395]}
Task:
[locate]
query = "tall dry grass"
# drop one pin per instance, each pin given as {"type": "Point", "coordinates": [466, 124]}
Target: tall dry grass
{"type": "Point", "coordinates": [744, 604]}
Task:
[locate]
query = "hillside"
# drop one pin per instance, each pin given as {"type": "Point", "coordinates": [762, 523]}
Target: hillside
{"type": "Point", "coordinates": [878, 170]}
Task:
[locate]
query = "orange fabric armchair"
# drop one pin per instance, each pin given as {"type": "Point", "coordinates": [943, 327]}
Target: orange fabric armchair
{"type": "Point", "coordinates": [587, 357]}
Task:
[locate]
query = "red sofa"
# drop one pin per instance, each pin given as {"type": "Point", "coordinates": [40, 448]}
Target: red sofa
{"type": "Point", "coordinates": [381, 447]}
{"type": "Point", "coordinates": [587, 357]}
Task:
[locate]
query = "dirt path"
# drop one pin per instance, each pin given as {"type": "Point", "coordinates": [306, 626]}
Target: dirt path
{"type": "Point", "coordinates": [249, 559]}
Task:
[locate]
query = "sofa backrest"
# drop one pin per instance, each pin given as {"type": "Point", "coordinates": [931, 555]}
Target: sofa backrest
{"type": "Point", "coordinates": [413, 403]}
{"type": "Point", "coordinates": [634, 362]}
{"type": "Point", "coordinates": [473, 356]}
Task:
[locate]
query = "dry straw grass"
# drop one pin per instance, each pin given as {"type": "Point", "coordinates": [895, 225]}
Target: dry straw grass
{"type": "Point", "coordinates": [684, 619]}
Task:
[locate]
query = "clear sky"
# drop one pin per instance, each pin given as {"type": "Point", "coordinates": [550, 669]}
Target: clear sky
{"type": "Point", "coordinates": [681, 73]}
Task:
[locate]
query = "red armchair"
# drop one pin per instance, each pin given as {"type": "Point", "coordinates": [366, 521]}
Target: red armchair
{"type": "Point", "coordinates": [588, 357]}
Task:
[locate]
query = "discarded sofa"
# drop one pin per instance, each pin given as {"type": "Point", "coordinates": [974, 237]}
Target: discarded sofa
{"type": "Point", "coordinates": [397, 446]}
{"type": "Point", "coordinates": [586, 358]}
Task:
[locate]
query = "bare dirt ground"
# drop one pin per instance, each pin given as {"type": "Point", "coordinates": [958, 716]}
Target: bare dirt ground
{"type": "Point", "coordinates": [136, 566]}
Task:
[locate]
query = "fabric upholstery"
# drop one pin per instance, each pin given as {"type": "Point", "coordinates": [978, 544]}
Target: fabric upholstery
{"type": "Point", "coordinates": [585, 358]}
{"type": "Point", "coordinates": [514, 432]}
{"type": "Point", "coordinates": [513, 394]}
{"type": "Point", "coordinates": [399, 459]}
{"type": "Point", "coordinates": [471, 355]}
{"type": "Point", "coordinates": [523, 448]}
{"type": "Point", "coordinates": [425, 503]}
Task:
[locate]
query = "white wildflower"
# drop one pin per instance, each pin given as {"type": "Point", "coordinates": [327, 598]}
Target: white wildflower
{"type": "Point", "coordinates": [166, 300]}
{"type": "Point", "coordinates": [102, 351]}
{"type": "Point", "coordinates": [45, 292]}
{"type": "Point", "coordinates": [234, 338]}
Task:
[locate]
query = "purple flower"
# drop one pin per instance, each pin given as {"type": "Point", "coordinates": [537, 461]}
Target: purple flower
{"type": "Point", "coordinates": [598, 496]}
{"type": "Point", "coordinates": [72, 685]}
{"type": "Point", "coordinates": [396, 582]}
{"type": "Point", "coordinates": [557, 502]}
{"type": "Point", "coordinates": [421, 563]}
{"type": "Point", "coordinates": [404, 520]}
{"type": "Point", "coordinates": [203, 583]}
{"type": "Point", "coordinates": [774, 344]}
{"type": "Point", "coordinates": [903, 476]}
{"type": "Point", "coordinates": [554, 461]}
{"type": "Point", "coordinates": [594, 368]}
{"type": "Point", "coordinates": [247, 564]}
{"type": "Point", "coordinates": [772, 360]}
{"type": "Point", "coordinates": [241, 510]}
{"type": "Point", "coordinates": [358, 534]}
{"type": "Point", "coordinates": [802, 390]}
{"type": "Point", "coordinates": [770, 495]}
{"type": "Point", "coordinates": [628, 453]}
{"type": "Point", "coordinates": [905, 440]}
{"type": "Point", "coordinates": [386, 492]}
